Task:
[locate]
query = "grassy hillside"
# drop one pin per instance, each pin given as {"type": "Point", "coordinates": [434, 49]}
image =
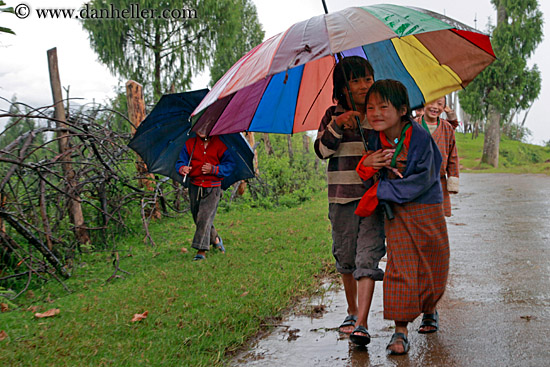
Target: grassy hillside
{"type": "Point", "coordinates": [515, 157]}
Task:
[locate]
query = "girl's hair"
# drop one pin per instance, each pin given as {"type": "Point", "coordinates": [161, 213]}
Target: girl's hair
{"type": "Point", "coordinates": [391, 91]}
{"type": "Point", "coordinates": [351, 67]}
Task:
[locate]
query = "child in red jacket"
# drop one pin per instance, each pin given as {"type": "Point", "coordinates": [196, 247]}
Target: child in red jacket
{"type": "Point", "coordinates": [206, 160]}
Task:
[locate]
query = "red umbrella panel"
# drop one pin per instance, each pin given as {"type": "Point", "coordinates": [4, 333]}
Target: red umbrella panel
{"type": "Point", "coordinates": [284, 85]}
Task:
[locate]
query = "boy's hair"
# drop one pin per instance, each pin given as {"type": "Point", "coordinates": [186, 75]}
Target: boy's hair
{"type": "Point", "coordinates": [391, 91]}
{"type": "Point", "coordinates": [354, 67]}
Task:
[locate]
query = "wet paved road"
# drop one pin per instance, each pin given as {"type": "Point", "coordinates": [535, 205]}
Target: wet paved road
{"type": "Point", "coordinates": [496, 311]}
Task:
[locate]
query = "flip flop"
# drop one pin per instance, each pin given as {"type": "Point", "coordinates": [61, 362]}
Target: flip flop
{"type": "Point", "coordinates": [219, 245]}
{"type": "Point", "coordinates": [429, 319]}
{"type": "Point", "coordinates": [360, 339]}
{"type": "Point", "coordinates": [348, 321]}
{"type": "Point", "coordinates": [398, 338]}
{"type": "Point", "coordinates": [199, 257]}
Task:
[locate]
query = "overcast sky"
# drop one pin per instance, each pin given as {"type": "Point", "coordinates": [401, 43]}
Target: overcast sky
{"type": "Point", "coordinates": [24, 67]}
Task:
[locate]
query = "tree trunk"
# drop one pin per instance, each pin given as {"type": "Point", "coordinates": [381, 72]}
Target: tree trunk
{"type": "Point", "coordinates": [267, 143]}
{"type": "Point", "coordinates": [136, 114]}
{"type": "Point", "coordinates": [519, 132]}
{"type": "Point", "coordinates": [157, 59]}
{"type": "Point", "coordinates": [290, 150]}
{"type": "Point", "coordinates": [252, 141]}
{"type": "Point", "coordinates": [75, 208]}
{"type": "Point", "coordinates": [305, 140]}
{"type": "Point", "coordinates": [492, 138]}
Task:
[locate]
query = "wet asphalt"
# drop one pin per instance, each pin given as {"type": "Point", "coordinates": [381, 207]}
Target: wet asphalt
{"type": "Point", "coordinates": [495, 312]}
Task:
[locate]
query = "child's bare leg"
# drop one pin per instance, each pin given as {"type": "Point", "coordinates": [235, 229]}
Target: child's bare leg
{"type": "Point", "coordinates": [350, 288]}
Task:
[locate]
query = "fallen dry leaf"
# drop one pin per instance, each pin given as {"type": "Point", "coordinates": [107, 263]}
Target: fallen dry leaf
{"type": "Point", "coordinates": [4, 307]}
{"type": "Point", "coordinates": [184, 250]}
{"type": "Point", "coordinates": [244, 294]}
{"type": "Point", "coordinates": [33, 308]}
{"type": "Point", "coordinates": [49, 313]}
{"type": "Point", "coordinates": [140, 316]}
{"type": "Point", "coordinates": [3, 335]}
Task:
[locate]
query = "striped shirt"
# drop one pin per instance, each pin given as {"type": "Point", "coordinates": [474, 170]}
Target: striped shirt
{"type": "Point", "coordinates": [344, 149]}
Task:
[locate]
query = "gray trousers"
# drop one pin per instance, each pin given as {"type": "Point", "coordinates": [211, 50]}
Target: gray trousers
{"type": "Point", "coordinates": [358, 243]}
{"type": "Point", "coordinates": [204, 204]}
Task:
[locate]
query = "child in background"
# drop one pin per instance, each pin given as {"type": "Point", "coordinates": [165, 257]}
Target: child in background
{"type": "Point", "coordinates": [406, 164]}
{"type": "Point", "coordinates": [207, 161]}
{"type": "Point", "coordinates": [443, 133]}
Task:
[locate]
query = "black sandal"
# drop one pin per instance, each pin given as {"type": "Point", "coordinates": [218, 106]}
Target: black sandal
{"type": "Point", "coordinates": [360, 339]}
{"type": "Point", "coordinates": [398, 338]}
{"type": "Point", "coordinates": [429, 319]}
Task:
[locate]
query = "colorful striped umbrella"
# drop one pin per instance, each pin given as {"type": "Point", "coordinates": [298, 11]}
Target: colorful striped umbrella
{"type": "Point", "coordinates": [284, 85]}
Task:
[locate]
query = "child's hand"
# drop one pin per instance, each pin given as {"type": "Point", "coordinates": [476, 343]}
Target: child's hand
{"type": "Point", "coordinates": [451, 114]}
{"type": "Point", "coordinates": [347, 120]}
{"type": "Point", "coordinates": [379, 159]}
{"type": "Point", "coordinates": [184, 170]}
{"type": "Point", "coordinates": [206, 168]}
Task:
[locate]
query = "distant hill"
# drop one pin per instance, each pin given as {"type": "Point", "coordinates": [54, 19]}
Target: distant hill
{"type": "Point", "coordinates": [514, 157]}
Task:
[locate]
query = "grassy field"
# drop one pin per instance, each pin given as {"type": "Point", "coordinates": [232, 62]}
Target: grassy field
{"type": "Point", "coordinates": [199, 313]}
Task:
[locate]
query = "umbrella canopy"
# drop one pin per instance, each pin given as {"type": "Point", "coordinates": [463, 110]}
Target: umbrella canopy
{"type": "Point", "coordinates": [284, 85]}
{"type": "Point", "coordinates": [161, 136]}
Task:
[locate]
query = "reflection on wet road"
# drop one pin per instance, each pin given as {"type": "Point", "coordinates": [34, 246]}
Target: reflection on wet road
{"type": "Point", "coordinates": [496, 311]}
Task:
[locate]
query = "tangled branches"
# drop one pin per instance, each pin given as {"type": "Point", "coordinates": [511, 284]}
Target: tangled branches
{"type": "Point", "coordinates": [37, 231]}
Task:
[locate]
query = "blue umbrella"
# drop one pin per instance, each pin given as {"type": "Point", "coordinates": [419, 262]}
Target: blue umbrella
{"type": "Point", "coordinates": [161, 136]}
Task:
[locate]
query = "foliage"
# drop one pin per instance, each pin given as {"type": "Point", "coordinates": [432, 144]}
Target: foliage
{"type": "Point", "coordinates": [229, 50]}
{"type": "Point", "coordinates": [165, 53]}
{"type": "Point", "coordinates": [508, 84]}
{"type": "Point", "coordinates": [193, 319]}
{"type": "Point", "coordinates": [6, 10]}
{"type": "Point", "coordinates": [283, 181]}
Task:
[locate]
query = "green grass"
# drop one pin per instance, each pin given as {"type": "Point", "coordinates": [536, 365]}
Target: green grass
{"type": "Point", "coordinates": [514, 157]}
{"type": "Point", "coordinates": [199, 313]}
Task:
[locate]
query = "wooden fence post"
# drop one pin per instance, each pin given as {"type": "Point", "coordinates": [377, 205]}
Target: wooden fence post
{"type": "Point", "coordinates": [136, 114]}
{"type": "Point", "coordinates": [75, 208]}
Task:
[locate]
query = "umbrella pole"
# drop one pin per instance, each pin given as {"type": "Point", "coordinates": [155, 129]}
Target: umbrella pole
{"type": "Point", "coordinates": [384, 204]}
{"type": "Point", "coordinates": [325, 6]}
{"type": "Point", "coordinates": [341, 57]}
{"type": "Point", "coordinates": [361, 131]}
{"type": "Point", "coordinates": [190, 157]}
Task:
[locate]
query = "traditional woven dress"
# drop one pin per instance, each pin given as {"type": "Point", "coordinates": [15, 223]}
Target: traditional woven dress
{"type": "Point", "coordinates": [416, 239]}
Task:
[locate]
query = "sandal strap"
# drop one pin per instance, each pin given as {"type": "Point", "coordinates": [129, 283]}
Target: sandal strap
{"type": "Point", "coordinates": [361, 329]}
{"type": "Point", "coordinates": [349, 321]}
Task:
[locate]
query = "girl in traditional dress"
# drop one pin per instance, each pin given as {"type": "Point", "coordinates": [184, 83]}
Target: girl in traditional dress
{"type": "Point", "coordinates": [443, 133]}
{"type": "Point", "coordinates": [406, 166]}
